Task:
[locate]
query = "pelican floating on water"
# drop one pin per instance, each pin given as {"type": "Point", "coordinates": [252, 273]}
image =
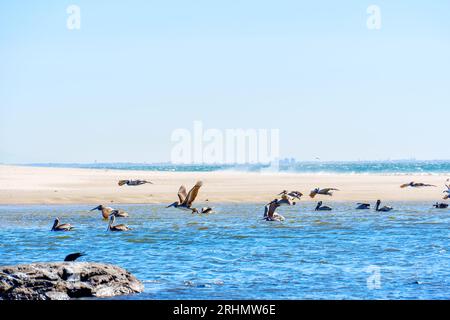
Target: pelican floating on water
{"type": "Point", "coordinates": [61, 227]}
{"type": "Point", "coordinates": [73, 256]}
{"type": "Point", "coordinates": [133, 182]}
{"type": "Point", "coordinates": [320, 207]}
{"type": "Point", "coordinates": [383, 209]}
{"type": "Point", "coordinates": [269, 212]}
{"type": "Point", "coordinates": [186, 199]}
{"type": "Point", "coordinates": [416, 185]}
{"type": "Point", "coordinates": [117, 227]}
{"type": "Point", "coordinates": [363, 206]}
{"type": "Point", "coordinates": [107, 211]}
{"type": "Point", "coordinates": [440, 205]}
{"type": "Point", "coordinates": [326, 191]}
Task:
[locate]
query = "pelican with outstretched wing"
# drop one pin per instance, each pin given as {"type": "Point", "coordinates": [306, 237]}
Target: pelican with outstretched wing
{"type": "Point", "coordinates": [413, 184]}
{"type": "Point", "coordinates": [325, 191]}
{"type": "Point", "coordinates": [269, 211]}
{"type": "Point", "coordinates": [185, 200]}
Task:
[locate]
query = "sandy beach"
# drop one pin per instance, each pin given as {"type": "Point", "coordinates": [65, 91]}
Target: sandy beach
{"type": "Point", "coordinates": [39, 185]}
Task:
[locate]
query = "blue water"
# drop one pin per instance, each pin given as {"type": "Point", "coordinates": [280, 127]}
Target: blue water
{"type": "Point", "coordinates": [233, 254]}
{"type": "Point", "coordinates": [360, 167]}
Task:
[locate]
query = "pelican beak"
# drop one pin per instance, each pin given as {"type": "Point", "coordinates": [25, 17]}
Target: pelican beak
{"type": "Point", "coordinates": [96, 208]}
{"type": "Point", "coordinates": [172, 205]}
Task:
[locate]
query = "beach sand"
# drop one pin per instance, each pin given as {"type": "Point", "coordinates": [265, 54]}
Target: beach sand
{"type": "Point", "coordinates": [39, 185]}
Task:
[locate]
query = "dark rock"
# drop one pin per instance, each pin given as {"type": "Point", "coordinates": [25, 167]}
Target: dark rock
{"type": "Point", "coordinates": [65, 280]}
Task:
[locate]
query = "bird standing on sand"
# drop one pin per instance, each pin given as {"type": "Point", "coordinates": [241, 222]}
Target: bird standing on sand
{"type": "Point", "coordinates": [326, 191]}
{"type": "Point", "coordinates": [363, 206]}
{"type": "Point", "coordinates": [440, 205]}
{"type": "Point", "coordinates": [61, 227]}
{"type": "Point", "coordinates": [133, 182]}
{"type": "Point", "coordinates": [383, 209]}
{"type": "Point", "coordinates": [117, 227]}
{"type": "Point", "coordinates": [320, 207]}
{"type": "Point", "coordinates": [107, 211]}
{"type": "Point", "coordinates": [269, 211]}
{"type": "Point", "coordinates": [186, 199]}
{"type": "Point", "coordinates": [73, 256]}
{"type": "Point", "coordinates": [413, 184]}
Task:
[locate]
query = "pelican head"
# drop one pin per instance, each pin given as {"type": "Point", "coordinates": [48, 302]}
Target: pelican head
{"type": "Point", "coordinates": [111, 221]}
{"type": "Point", "coordinates": [319, 204]}
{"type": "Point", "coordinates": [55, 224]}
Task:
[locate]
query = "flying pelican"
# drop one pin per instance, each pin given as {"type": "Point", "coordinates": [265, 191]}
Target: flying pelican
{"type": "Point", "coordinates": [61, 227]}
{"type": "Point", "coordinates": [362, 206]}
{"type": "Point", "coordinates": [107, 211]}
{"type": "Point", "coordinates": [326, 191]}
{"type": "Point", "coordinates": [133, 182]}
{"type": "Point", "coordinates": [447, 196]}
{"type": "Point", "coordinates": [320, 207]}
{"type": "Point", "coordinates": [186, 200]}
{"type": "Point", "coordinates": [73, 256]}
{"type": "Point", "coordinates": [117, 227]}
{"type": "Point", "coordinates": [269, 212]}
{"type": "Point", "coordinates": [416, 185]}
{"type": "Point", "coordinates": [383, 209]}
{"type": "Point", "coordinates": [440, 205]}
{"type": "Point", "coordinates": [285, 201]}
{"type": "Point", "coordinates": [292, 194]}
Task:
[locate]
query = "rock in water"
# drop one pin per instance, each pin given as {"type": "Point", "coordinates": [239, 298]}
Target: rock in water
{"type": "Point", "coordinates": [65, 280]}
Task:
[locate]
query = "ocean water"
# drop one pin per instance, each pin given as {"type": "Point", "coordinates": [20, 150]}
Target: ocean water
{"type": "Point", "coordinates": [234, 254]}
{"type": "Point", "coordinates": [349, 167]}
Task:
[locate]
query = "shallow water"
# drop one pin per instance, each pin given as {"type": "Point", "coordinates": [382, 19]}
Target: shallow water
{"type": "Point", "coordinates": [234, 254]}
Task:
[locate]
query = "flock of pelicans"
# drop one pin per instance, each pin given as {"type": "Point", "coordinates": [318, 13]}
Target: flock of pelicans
{"type": "Point", "coordinates": [287, 198]}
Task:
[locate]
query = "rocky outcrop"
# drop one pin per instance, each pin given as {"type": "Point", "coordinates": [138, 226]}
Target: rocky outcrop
{"type": "Point", "coordinates": [65, 280]}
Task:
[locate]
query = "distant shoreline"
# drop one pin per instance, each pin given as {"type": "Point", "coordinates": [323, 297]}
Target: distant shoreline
{"type": "Point", "coordinates": [46, 185]}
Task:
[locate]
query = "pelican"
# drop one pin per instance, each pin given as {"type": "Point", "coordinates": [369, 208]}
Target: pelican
{"type": "Point", "coordinates": [133, 182]}
{"type": "Point", "coordinates": [447, 196]}
{"type": "Point", "coordinates": [292, 194]}
{"type": "Point", "coordinates": [269, 212]}
{"type": "Point", "coordinates": [362, 206]}
{"type": "Point", "coordinates": [326, 191]}
{"type": "Point", "coordinates": [440, 205]}
{"type": "Point", "coordinates": [186, 200]}
{"type": "Point", "coordinates": [413, 184]}
{"type": "Point", "coordinates": [73, 256]}
{"type": "Point", "coordinates": [320, 207]}
{"type": "Point", "coordinates": [206, 210]}
{"type": "Point", "coordinates": [61, 227]}
{"type": "Point", "coordinates": [117, 227]}
{"type": "Point", "coordinates": [107, 211]}
{"type": "Point", "coordinates": [383, 209]}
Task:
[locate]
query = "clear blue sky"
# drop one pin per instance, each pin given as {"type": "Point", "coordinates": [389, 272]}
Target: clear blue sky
{"type": "Point", "coordinates": [136, 70]}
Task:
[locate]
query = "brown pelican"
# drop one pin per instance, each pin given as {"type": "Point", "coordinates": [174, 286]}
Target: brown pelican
{"type": "Point", "coordinates": [383, 209]}
{"type": "Point", "coordinates": [107, 211]}
{"type": "Point", "coordinates": [207, 210]}
{"type": "Point", "coordinates": [186, 199]}
{"type": "Point", "coordinates": [326, 191]}
{"type": "Point", "coordinates": [269, 212]}
{"type": "Point", "coordinates": [320, 207]}
{"type": "Point", "coordinates": [292, 194]}
{"type": "Point", "coordinates": [447, 196]}
{"type": "Point", "coordinates": [133, 182]}
{"type": "Point", "coordinates": [73, 256]}
{"type": "Point", "coordinates": [440, 205]}
{"type": "Point", "coordinates": [117, 227]}
{"type": "Point", "coordinates": [416, 185]}
{"type": "Point", "coordinates": [61, 227]}
{"type": "Point", "coordinates": [362, 206]}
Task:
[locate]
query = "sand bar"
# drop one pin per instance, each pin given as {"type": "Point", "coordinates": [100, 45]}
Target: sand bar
{"type": "Point", "coordinates": [43, 185]}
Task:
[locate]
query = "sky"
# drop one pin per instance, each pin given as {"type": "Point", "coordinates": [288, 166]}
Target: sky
{"type": "Point", "coordinates": [117, 88]}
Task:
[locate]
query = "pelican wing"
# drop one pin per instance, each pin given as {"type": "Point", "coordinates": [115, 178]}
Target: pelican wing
{"type": "Point", "coordinates": [272, 207]}
{"type": "Point", "coordinates": [182, 194]}
{"type": "Point", "coordinates": [326, 190]}
{"type": "Point", "coordinates": [192, 194]}
{"type": "Point", "coordinates": [404, 185]}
